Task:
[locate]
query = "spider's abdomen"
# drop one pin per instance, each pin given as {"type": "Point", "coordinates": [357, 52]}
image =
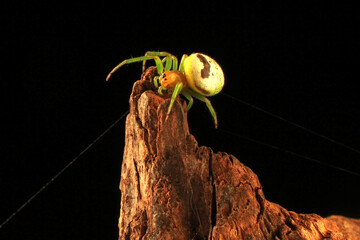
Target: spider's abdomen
{"type": "Point", "coordinates": [204, 74]}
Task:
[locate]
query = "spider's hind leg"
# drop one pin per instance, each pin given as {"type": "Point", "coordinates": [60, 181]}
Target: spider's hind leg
{"type": "Point", "coordinates": [208, 104]}
{"type": "Point", "coordinates": [189, 98]}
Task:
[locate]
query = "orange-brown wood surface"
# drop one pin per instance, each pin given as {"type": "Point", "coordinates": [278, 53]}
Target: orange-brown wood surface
{"type": "Point", "coordinates": [171, 188]}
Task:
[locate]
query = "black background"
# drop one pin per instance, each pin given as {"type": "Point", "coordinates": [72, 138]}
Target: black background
{"type": "Point", "coordinates": [296, 60]}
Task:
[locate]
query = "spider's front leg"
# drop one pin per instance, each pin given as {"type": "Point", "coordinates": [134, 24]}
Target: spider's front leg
{"type": "Point", "coordinates": [156, 81]}
{"type": "Point", "coordinates": [181, 66]}
{"type": "Point", "coordinates": [160, 89]}
{"type": "Point", "coordinates": [170, 60]}
{"type": "Point", "coordinates": [176, 92]}
{"type": "Point", "coordinates": [158, 62]}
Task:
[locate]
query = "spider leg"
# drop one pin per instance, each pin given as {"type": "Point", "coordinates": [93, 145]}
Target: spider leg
{"type": "Point", "coordinates": [181, 67]}
{"type": "Point", "coordinates": [156, 81]}
{"type": "Point", "coordinates": [176, 92]}
{"type": "Point", "coordinates": [189, 98]}
{"type": "Point", "coordinates": [160, 89]}
{"type": "Point", "coordinates": [168, 63]}
{"type": "Point", "coordinates": [208, 104]}
{"type": "Point", "coordinates": [161, 54]}
{"type": "Point", "coordinates": [175, 63]}
{"type": "Point", "coordinates": [158, 63]}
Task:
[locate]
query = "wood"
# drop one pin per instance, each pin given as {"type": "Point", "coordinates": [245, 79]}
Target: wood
{"type": "Point", "coordinates": [171, 188]}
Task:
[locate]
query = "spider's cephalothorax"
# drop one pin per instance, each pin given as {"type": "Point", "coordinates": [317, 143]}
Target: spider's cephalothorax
{"type": "Point", "coordinates": [197, 76]}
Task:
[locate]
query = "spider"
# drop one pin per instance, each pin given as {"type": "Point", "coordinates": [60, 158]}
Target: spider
{"type": "Point", "coordinates": [197, 76]}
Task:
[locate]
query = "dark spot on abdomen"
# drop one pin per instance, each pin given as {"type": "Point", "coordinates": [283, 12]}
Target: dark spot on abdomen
{"type": "Point", "coordinates": [205, 72]}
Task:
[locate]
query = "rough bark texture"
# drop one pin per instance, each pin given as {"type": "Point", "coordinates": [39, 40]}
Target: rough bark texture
{"type": "Point", "coordinates": [171, 188]}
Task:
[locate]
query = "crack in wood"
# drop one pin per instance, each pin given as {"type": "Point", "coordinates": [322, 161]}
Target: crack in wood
{"type": "Point", "coordinates": [213, 201]}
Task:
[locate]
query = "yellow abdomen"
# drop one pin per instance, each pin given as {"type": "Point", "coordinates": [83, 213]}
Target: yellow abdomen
{"type": "Point", "coordinates": [204, 75]}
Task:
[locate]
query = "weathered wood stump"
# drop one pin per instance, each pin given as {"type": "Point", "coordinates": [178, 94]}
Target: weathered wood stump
{"type": "Point", "coordinates": [173, 189]}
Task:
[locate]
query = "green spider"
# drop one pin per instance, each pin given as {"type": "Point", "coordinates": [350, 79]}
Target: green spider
{"type": "Point", "coordinates": [197, 76]}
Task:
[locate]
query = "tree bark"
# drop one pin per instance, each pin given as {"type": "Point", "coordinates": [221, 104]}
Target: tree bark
{"type": "Point", "coordinates": [171, 188]}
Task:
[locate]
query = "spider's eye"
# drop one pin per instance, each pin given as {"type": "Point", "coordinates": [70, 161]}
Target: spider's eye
{"type": "Point", "coordinates": [163, 75]}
